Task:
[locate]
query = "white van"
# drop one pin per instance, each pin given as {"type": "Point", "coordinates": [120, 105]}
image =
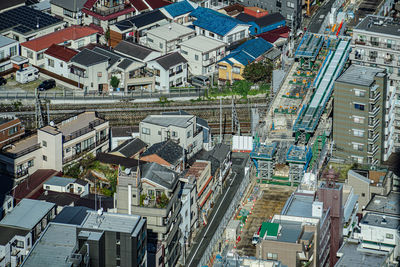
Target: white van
{"type": "Point", "coordinates": [27, 74]}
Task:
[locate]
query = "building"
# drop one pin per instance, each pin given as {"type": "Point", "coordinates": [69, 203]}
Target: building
{"type": "Point", "coordinates": [24, 23]}
{"type": "Point", "coordinates": [278, 37]}
{"type": "Point", "coordinates": [68, 10]}
{"type": "Point", "coordinates": [11, 4]}
{"type": "Point", "coordinates": [262, 24]}
{"type": "Point", "coordinates": [8, 205]}
{"type": "Point", "coordinates": [202, 54]}
{"type": "Point", "coordinates": [350, 210]}
{"type": "Point", "coordinates": [384, 204]}
{"type": "Point", "coordinates": [8, 48]}
{"type": "Point", "coordinates": [54, 147]}
{"type": "Point", "coordinates": [179, 11]}
{"type": "Point", "coordinates": [73, 37]}
{"type": "Point", "coordinates": [66, 185]}
{"type": "Point", "coordinates": [131, 148]}
{"type": "Point", "coordinates": [120, 134]}
{"type": "Point", "coordinates": [57, 59]}
{"type": "Point", "coordinates": [181, 128]}
{"type": "Point", "coordinates": [189, 214]}
{"type": "Point", "coordinates": [151, 191]}
{"type": "Point", "coordinates": [360, 95]}
{"type": "Point", "coordinates": [166, 38]}
{"type": "Point", "coordinates": [11, 129]}
{"type": "Point", "coordinates": [231, 67]}
{"type": "Point", "coordinates": [375, 43]}
{"type": "Point", "coordinates": [167, 153]}
{"type": "Point", "coordinates": [136, 51]}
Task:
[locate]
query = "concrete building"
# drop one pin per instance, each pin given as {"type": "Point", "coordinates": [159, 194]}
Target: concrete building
{"type": "Point", "coordinates": [11, 129]}
{"type": "Point", "coordinates": [376, 42]}
{"type": "Point", "coordinates": [189, 213]}
{"type": "Point", "coordinates": [151, 191]}
{"type": "Point", "coordinates": [202, 54]}
{"type": "Point", "coordinates": [58, 145]}
{"type": "Point", "coordinates": [121, 134]}
{"type": "Point", "coordinates": [8, 48]}
{"type": "Point", "coordinates": [384, 204]}
{"type": "Point", "coordinates": [68, 10]}
{"type": "Point", "coordinates": [360, 132]}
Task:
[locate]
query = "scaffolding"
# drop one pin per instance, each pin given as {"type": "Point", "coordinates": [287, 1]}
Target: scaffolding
{"type": "Point", "coordinates": [298, 158]}
{"type": "Point", "coordinates": [263, 158]}
{"type": "Point", "coordinates": [308, 50]}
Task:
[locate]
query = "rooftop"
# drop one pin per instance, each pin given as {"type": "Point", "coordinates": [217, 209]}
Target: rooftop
{"type": "Point", "coordinates": [73, 6]}
{"type": "Point", "coordinates": [182, 121]}
{"type": "Point", "coordinates": [290, 231]}
{"type": "Point", "coordinates": [72, 215]}
{"type": "Point", "coordinates": [359, 75]}
{"type": "Point", "coordinates": [27, 213]}
{"type": "Point", "coordinates": [54, 247]}
{"type": "Point", "coordinates": [248, 51]}
{"type": "Point", "coordinates": [169, 60]}
{"type": "Point", "coordinates": [299, 205]}
{"type": "Point", "coordinates": [123, 223]}
{"type": "Point", "coordinates": [60, 199]}
{"type": "Point", "coordinates": [6, 41]}
{"type": "Point", "coordinates": [197, 169]}
{"type": "Point", "coordinates": [262, 21]}
{"type": "Point", "coordinates": [61, 52]}
{"type": "Point", "coordinates": [8, 233]}
{"type": "Point", "coordinates": [130, 147]}
{"type": "Point", "coordinates": [124, 131]}
{"type": "Point", "coordinates": [274, 35]}
{"type": "Point", "coordinates": [178, 8]}
{"type": "Point", "coordinates": [135, 51]}
{"type": "Point", "coordinates": [160, 175]}
{"type": "Point", "coordinates": [168, 150]}
{"type": "Point", "coordinates": [385, 204]}
{"type": "Point", "coordinates": [140, 20]}
{"type": "Point", "coordinates": [118, 160]}
{"type": "Point", "coordinates": [89, 57]}
{"type": "Point", "coordinates": [59, 181]}
{"type": "Point", "coordinates": [202, 43]}
{"type": "Point", "coordinates": [353, 255]}
{"type": "Point", "coordinates": [373, 219]}
{"type": "Point", "coordinates": [170, 31]}
{"type": "Point", "coordinates": [380, 25]}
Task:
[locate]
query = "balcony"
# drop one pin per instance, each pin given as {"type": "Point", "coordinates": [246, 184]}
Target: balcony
{"type": "Point", "coordinates": [84, 130]}
{"type": "Point", "coordinates": [22, 152]}
{"type": "Point", "coordinates": [102, 140]}
{"type": "Point", "coordinates": [105, 11]}
{"type": "Point", "coordinates": [21, 173]}
{"type": "Point", "coordinates": [4, 59]}
{"type": "Point", "coordinates": [374, 97]}
{"type": "Point", "coordinates": [79, 154]}
{"type": "Point", "coordinates": [373, 139]}
{"type": "Point", "coordinates": [375, 111]}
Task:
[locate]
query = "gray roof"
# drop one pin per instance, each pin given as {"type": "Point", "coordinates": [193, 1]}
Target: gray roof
{"type": "Point", "coordinates": [124, 131]}
{"type": "Point", "coordinates": [359, 176]}
{"type": "Point", "coordinates": [8, 233]}
{"type": "Point", "coordinates": [6, 41]}
{"type": "Point", "coordinates": [182, 121]}
{"type": "Point", "coordinates": [136, 51]}
{"type": "Point", "coordinates": [59, 181]}
{"type": "Point", "coordinates": [71, 5]}
{"type": "Point", "coordinates": [27, 213]}
{"type": "Point", "coordinates": [299, 205]}
{"type": "Point", "coordinates": [130, 147]}
{"type": "Point", "coordinates": [54, 246]}
{"type": "Point", "coordinates": [72, 215]}
{"type": "Point", "coordinates": [159, 175]}
{"type": "Point", "coordinates": [359, 75]}
{"type": "Point", "coordinates": [380, 220]}
{"type": "Point", "coordinates": [114, 57]}
{"type": "Point", "coordinates": [169, 60]}
{"type": "Point", "coordinates": [378, 24]}
{"type": "Point", "coordinates": [290, 232]}
{"type": "Point", "coordinates": [168, 150]}
{"type": "Point", "coordinates": [125, 63]}
{"type": "Point", "coordinates": [385, 204]}
{"type": "Point", "coordinates": [88, 58]}
{"type": "Point", "coordinates": [354, 255]}
{"type": "Point", "coordinates": [123, 223]}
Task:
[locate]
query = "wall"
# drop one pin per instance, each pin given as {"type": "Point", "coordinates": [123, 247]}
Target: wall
{"type": "Point", "coordinates": [53, 150]}
{"type": "Point", "coordinates": [225, 72]}
{"type": "Point", "coordinates": [6, 50]}
{"type": "Point", "coordinates": [60, 67]}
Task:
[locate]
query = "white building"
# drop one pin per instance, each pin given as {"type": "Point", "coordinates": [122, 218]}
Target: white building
{"type": "Point", "coordinates": [69, 10]}
{"type": "Point", "coordinates": [57, 58]}
{"type": "Point", "coordinates": [202, 53]}
{"type": "Point", "coordinates": [67, 185]}
{"type": "Point", "coordinates": [8, 48]}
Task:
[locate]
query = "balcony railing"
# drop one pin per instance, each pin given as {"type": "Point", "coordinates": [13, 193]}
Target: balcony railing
{"type": "Point", "coordinates": [84, 130]}
{"type": "Point", "coordinates": [22, 152]}
{"type": "Point", "coordinates": [102, 140]}
{"type": "Point", "coordinates": [105, 11]}
{"type": "Point", "coordinates": [78, 155]}
{"type": "Point", "coordinates": [21, 173]}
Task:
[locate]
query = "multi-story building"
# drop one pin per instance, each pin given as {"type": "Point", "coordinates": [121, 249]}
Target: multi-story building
{"type": "Point", "coordinates": [57, 145]}
{"type": "Point", "coordinates": [8, 48]}
{"type": "Point", "coordinates": [360, 128]}
{"type": "Point", "coordinates": [11, 129]}
{"type": "Point", "coordinates": [376, 43]}
{"type": "Point", "coordinates": [68, 10]}
{"type": "Point", "coordinates": [151, 190]}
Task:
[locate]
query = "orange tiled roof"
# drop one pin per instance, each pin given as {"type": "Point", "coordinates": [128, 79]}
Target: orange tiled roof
{"type": "Point", "coordinates": [61, 52]}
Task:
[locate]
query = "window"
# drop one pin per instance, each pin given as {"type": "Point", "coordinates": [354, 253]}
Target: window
{"type": "Point", "coordinates": [159, 132]}
{"type": "Point", "coordinates": [196, 57]}
{"type": "Point", "coordinates": [363, 194]}
{"type": "Point", "coordinates": [81, 43]}
{"type": "Point", "coordinates": [44, 143]}
{"type": "Point", "coordinates": [47, 187]}
{"type": "Point", "coordinates": [50, 62]}
{"type": "Point", "coordinates": [188, 134]}
{"type": "Point", "coordinates": [359, 106]}
{"type": "Point", "coordinates": [358, 133]}
{"type": "Point", "coordinates": [29, 54]}
{"type": "Point", "coordinates": [145, 131]}
{"type": "Point", "coordinates": [184, 52]}
{"type": "Point", "coordinates": [20, 244]}
{"type": "Point", "coordinates": [357, 159]}
{"type": "Point", "coordinates": [242, 34]}
{"type": "Point", "coordinates": [150, 40]}
{"type": "Point", "coordinates": [12, 130]}
{"type": "Point", "coordinates": [93, 38]}
{"type": "Point", "coordinates": [39, 56]}
{"type": "Point", "coordinates": [96, 21]}
{"type": "Point", "coordinates": [211, 34]}
{"type": "Point", "coordinates": [174, 134]}
{"type": "Point", "coordinates": [44, 158]}
{"type": "Point", "coordinates": [236, 70]}
{"type": "Point", "coordinates": [230, 38]}
{"type": "Point", "coordinates": [290, 4]}
{"type": "Point", "coordinates": [179, 69]}
{"type": "Point", "coordinates": [30, 163]}
{"type": "Point", "coordinates": [61, 64]}
{"type": "Point", "coordinates": [220, 37]}
{"type": "Point", "coordinates": [161, 45]}
{"type": "Point", "coordinates": [272, 256]}
{"type": "Point", "coordinates": [389, 43]}
{"type": "Point", "coordinates": [13, 51]}
{"type": "Point", "coordinates": [359, 120]}
{"type": "Point", "coordinates": [112, 21]}
{"type": "Point", "coordinates": [67, 150]}
{"type": "Point", "coordinates": [68, 13]}
{"type": "Point", "coordinates": [358, 147]}
{"type": "Point", "coordinates": [359, 92]}
{"type": "Point", "coordinates": [389, 236]}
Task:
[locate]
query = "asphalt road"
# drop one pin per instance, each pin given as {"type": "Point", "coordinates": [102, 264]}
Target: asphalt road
{"type": "Point", "coordinates": [319, 17]}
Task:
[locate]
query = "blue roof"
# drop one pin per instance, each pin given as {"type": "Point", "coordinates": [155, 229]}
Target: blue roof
{"type": "Point", "coordinates": [60, 181]}
{"type": "Point", "coordinates": [214, 21]}
{"type": "Point", "coordinates": [248, 51]}
{"type": "Point", "coordinates": [179, 8]}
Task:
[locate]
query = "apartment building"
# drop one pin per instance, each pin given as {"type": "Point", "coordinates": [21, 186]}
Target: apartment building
{"type": "Point", "coordinates": [57, 145]}
{"type": "Point", "coordinates": [181, 128]}
{"type": "Point", "coordinates": [11, 129]}
{"type": "Point", "coordinates": [151, 190]}
{"type": "Point", "coordinates": [8, 48]}
{"type": "Point", "coordinates": [361, 122]}
{"type": "Point", "coordinates": [69, 10]}
{"type": "Point", "coordinates": [376, 43]}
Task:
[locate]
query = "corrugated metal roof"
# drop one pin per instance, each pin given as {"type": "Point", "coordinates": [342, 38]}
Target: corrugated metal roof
{"type": "Point", "coordinates": [178, 8]}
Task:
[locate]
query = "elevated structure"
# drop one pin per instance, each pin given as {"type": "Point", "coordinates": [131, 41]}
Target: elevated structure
{"type": "Point", "coordinates": [298, 158]}
{"type": "Point", "coordinates": [263, 158]}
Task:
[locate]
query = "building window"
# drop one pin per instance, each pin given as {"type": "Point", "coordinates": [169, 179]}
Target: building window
{"type": "Point", "coordinates": [61, 64]}
{"type": "Point", "coordinates": [211, 34]}
{"type": "Point", "coordinates": [363, 194]}
{"type": "Point", "coordinates": [242, 34]}
{"type": "Point", "coordinates": [359, 92]}
{"type": "Point", "coordinates": [188, 134]}
{"type": "Point", "coordinates": [44, 158]}
{"type": "Point", "coordinates": [150, 40]}
{"type": "Point", "coordinates": [236, 70]}
{"type": "Point", "coordinates": [112, 21]}
{"type": "Point", "coordinates": [68, 13]}
{"type": "Point", "coordinates": [81, 43]}
{"type": "Point", "coordinates": [290, 4]}
{"type": "Point", "coordinates": [29, 54]}
{"type": "Point", "coordinates": [159, 132]}
{"type": "Point", "coordinates": [145, 130]}
{"type": "Point", "coordinates": [161, 45]}
{"type": "Point", "coordinates": [357, 159]}
{"type": "Point", "coordinates": [174, 134]}
{"type": "Point", "coordinates": [50, 62]}
{"type": "Point", "coordinates": [30, 163]}
{"type": "Point", "coordinates": [230, 38]}
{"type": "Point", "coordinates": [39, 56]}
{"type": "Point", "coordinates": [359, 120]}
{"type": "Point", "coordinates": [358, 133]}
{"type": "Point", "coordinates": [358, 147]}
{"type": "Point", "coordinates": [359, 106]}
{"type": "Point", "coordinates": [13, 51]}
{"type": "Point", "coordinates": [389, 236]}
{"type": "Point", "coordinates": [272, 256]}
{"type": "Point", "coordinates": [44, 143]}
{"type": "Point", "coordinates": [184, 52]}
{"type": "Point", "coordinates": [196, 57]}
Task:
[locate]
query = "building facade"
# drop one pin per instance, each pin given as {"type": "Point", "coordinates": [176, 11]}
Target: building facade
{"type": "Point", "coordinates": [11, 129]}
{"type": "Point", "coordinates": [8, 48]}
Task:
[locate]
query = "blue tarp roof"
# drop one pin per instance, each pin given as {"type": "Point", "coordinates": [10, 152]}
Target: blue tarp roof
{"type": "Point", "coordinates": [179, 8]}
{"type": "Point", "coordinates": [214, 21]}
{"type": "Point", "coordinates": [248, 51]}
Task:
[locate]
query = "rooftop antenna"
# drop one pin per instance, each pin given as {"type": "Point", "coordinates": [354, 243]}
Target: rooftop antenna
{"type": "Point", "coordinates": [37, 22]}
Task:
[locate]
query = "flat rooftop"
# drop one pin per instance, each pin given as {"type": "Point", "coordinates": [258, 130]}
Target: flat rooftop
{"type": "Point", "coordinates": [202, 43]}
{"type": "Point", "coordinates": [380, 25]}
{"type": "Point", "coordinates": [385, 204]}
{"type": "Point", "coordinates": [27, 213]}
{"type": "Point", "coordinates": [111, 222]}
{"type": "Point", "coordinates": [182, 121]}
{"type": "Point", "coordinates": [360, 75]}
{"type": "Point", "coordinates": [170, 31]}
{"type": "Point", "coordinates": [54, 247]}
{"type": "Point", "coordinates": [290, 231]}
{"type": "Point", "coordinates": [353, 255]}
{"type": "Point", "coordinates": [23, 144]}
{"type": "Point", "coordinates": [380, 220]}
{"type": "Point", "coordinates": [299, 205]}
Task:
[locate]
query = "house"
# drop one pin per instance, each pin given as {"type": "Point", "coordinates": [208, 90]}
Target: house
{"type": "Point", "coordinates": [134, 28]}
{"type": "Point", "coordinates": [24, 23]}
{"type": "Point", "coordinates": [170, 70]}
{"type": "Point", "coordinates": [69, 10]}
{"type": "Point", "coordinates": [202, 54]}
{"type": "Point", "coordinates": [166, 38]}
{"type": "Point", "coordinates": [120, 134]}
{"type": "Point", "coordinates": [73, 37]}
{"type": "Point", "coordinates": [57, 59]}
{"type": "Point", "coordinates": [131, 148]}
{"type": "Point", "coordinates": [57, 145]}
{"type": "Point", "coordinates": [11, 129]}
{"type": "Point", "coordinates": [179, 11]}
{"type": "Point", "coordinates": [136, 51]}
{"type": "Point", "coordinates": [218, 26]}
{"type": "Point", "coordinates": [66, 185]}
{"type": "Point", "coordinates": [167, 153]}
{"type": "Point", "coordinates": [181, 128]}
{"type": "Point", "coordinates": [262, 24]}
{"type": "Point", "coordinates": [278, 37]}
{"type": "Point", "coordinates": [8, 48]}
{"type": "Point", "coordinates": [7, 5]}
{"type": "Point", "coordinates": [231, 67]}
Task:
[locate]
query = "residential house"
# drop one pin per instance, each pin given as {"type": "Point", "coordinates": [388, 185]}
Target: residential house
{"type": "Point", "coordinates": [166, 38]}
{"type": "Point", "coordinates": [262, 24]}
{"type": "Point", "coordinates": [57, 59]}
{"type": "Point", "coordinates": [278, 37]}
{"type": "Point", "coordinates": [11, 129]}
{"type": "Point", "coordinates": [8, 48]}
{"type": "Point", "coordinates": [69, 10]}
{"type": "Point", "coordinates": [151, 191]}
{"type": "Point", "coordinates": [231, 67]}
{"type": "Point", "coordinates": [21, 228]}
{"type": "Point", "coordinates": [120, 134]}
{"type": "Point", "coordinates": [179, 11]}
{"type": "Point", "coordinates": [202, 54]}
{"type": "Point", "coordinates": [218, 26]}
{"type": "Point", "coordinates": [57, 145]}
{"type": "Point", "coordinates": [131, 148]}
{"type": "Point", "coordinates": [7, 5]}
{"type": "Point", "coordinates": [66, 185]}
{"type": "Point", "coordinates": [181, 128]}
{"type": "Point", "coordinates": [167, 153]}
{"type": "Point", "coordinates": [134, 28]}
{"type": "Point", "coordinates": [136, 51]}
{"type": "Point", "coordinates": [73, 37]}
{"type": "Point", "coordinates": [170, 70]}
{"type": "Point", "coordinates": [24, 23]}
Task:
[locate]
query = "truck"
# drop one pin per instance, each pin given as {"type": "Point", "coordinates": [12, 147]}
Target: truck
{"type": "Point", "coordinates": [27, 74]}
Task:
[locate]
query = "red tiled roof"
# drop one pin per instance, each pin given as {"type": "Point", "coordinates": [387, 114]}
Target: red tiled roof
{"type": "Point", "coordinates": [274, 35]}
{"type": "Point", "coordinates": [97, 27]}
{"type": "Point", "coordinates": [61, 52]}
{"type": "Point", "coordinates": [89, 3]}
{"type": "Point", "coordinates": [111, 16]}
{"type": "Point", "coordinates": [139, 5]}
{"type": "Point", "coordinates": [154, 4]}
{"type": "Point", "coordinates": [32, 187]}
{"type": "Point", "coordinates": [58, 37]}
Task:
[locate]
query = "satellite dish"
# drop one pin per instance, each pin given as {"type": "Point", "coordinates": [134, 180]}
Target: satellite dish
{"type": "Point", "coordinates": [127, 171]}
{"type": "Point", "coordinates": [52, 124]}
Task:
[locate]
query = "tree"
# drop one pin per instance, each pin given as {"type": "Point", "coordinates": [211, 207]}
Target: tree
{"type": "Point", "coordinates": [258, 71]}
{"type": "Point", "coordinates": [241, 87]}
{"type": "Point", "coordinates": [114, 82]}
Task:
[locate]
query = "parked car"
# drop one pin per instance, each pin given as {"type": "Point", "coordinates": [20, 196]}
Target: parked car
{"type": "Point", "coordinates": [200, 81]}
{"type": "Point", "coordinates": [3, 81]}
{"type": "Point", "coordinates": [27, 75]}
{"type": "Point", "coordinates": [47, 84]}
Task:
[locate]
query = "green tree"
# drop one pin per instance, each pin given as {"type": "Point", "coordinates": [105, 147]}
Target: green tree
{"type": "Point", "coordinates": [114, 82]}
{"type": "Point", "coordinates": [241, 87]}
{"type": "Point", "coordinates": [258, 71]}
